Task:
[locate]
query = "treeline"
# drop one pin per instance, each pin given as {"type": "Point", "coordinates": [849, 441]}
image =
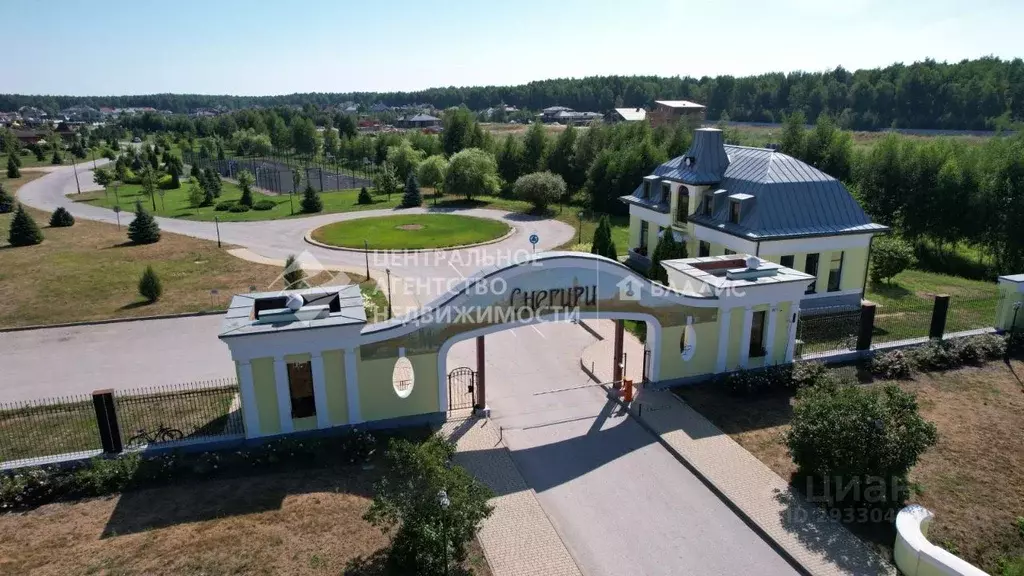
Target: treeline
{"type": "Point", "coordinates": [942, 194]}
{"type": "Point", "coordinates": [986, 93]}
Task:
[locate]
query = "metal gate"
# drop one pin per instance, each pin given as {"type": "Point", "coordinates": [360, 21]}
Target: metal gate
{"type": "Point", "coordinates": [647, 366]}
{"type": "Point", "coordinates": [461, 385]}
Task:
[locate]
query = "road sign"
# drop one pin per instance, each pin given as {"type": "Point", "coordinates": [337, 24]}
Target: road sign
{"type": "Point", "coordinates": [117, 208]}
{"type": "Point", "coordinates": [534, 239]}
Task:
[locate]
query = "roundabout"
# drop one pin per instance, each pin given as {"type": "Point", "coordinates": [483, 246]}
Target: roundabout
{"type": "Point", "coordinates": [404, 232]}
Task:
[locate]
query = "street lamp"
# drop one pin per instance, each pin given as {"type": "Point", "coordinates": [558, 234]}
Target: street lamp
{"type": "Point", "coordinates": [75, 168]}
{"type": "Point", "coordinates": [216, 222]}
{"type": "Point", "coordinates": [388, 272]}
{"type": "Point", "coordinates": [366, 252]}
{"type": "Point", "coordinates": [579, 235]}
{"type": "Point", "coordinates": [444, 503]}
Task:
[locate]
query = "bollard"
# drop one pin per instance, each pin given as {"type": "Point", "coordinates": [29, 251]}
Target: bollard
{"type": "Point", "coordinates": [627, 391]}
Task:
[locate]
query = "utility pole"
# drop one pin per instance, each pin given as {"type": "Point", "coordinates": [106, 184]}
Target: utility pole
{"type": "Point", "coordinates": [75, 168]}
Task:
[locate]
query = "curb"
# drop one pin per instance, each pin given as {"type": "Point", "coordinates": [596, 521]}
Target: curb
{"type": "Point", "coordinates": [308, 237]}
{"type": "Point", "coordinates": [592, 331]}
{"type": "Point", "coordinates": [110, 321]}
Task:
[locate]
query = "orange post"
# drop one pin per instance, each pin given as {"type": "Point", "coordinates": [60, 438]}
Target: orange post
{"type": "Point", "coordinates": [627, 391]}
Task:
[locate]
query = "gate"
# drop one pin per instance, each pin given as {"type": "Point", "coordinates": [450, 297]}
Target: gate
{"type": "Point", "coordinates": [646, 365]}
{"type": "Point", "coordinates": [461, 384]}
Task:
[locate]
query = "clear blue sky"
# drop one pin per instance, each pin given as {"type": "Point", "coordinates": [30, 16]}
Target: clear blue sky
{"type": "Point", "coordinates": [261, 47]}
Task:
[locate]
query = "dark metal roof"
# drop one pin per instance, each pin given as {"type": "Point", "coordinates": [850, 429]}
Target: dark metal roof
{"type": "Point", "coordinates": [788, 198]}
{"type": "Point", "coordinates": [704, 163]}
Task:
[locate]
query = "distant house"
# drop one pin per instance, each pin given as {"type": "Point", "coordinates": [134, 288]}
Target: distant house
{"type": "Point", "coordinates": [28, 137]}
{"type": "Point", "coordinates": [567, 116]}
{"type": "Point", "coordinates": [626, 115]}
{"type": "Point", "coordinates": [418, 121]}
{"type": "Point", "coordinates": [379, 107]}
{"type": "Point", "coordinates": [667, 112]}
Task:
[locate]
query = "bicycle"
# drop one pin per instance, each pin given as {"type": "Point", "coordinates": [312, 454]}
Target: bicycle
{"type": "Point", "coordinates": [161, 434]}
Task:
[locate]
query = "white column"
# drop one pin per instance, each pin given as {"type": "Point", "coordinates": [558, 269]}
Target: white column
{"type": "Point", "coordinates": [794, 313]}
{"type": "Point", "coordinates": [352, 387]}
{"type": "Point", "coordinates": [323, 419]}
{"type": "Point", "coordinates": [250, 412]}
{"type": "Point", "coordinates": [284, 397]}
{"type": "Point", "coordinates": [748, 320]}
{"type": "Point", "coordinates": [724, 319]}
{"type": "Point", "coordinates": [769, 343]}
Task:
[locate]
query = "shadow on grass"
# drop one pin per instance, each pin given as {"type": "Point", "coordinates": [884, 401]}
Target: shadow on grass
{"type": "Point", "coordinates": [135, 305]}
{"type": "Point", "coordinates": [891, 291]}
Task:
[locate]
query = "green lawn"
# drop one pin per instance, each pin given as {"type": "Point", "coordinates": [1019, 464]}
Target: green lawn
{"type": "Point", "coordinates": [412, 231]}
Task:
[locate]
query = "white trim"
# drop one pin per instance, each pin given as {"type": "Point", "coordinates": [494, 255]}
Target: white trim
{"type": "Point", "coordinates": [653, 340]}
{"type": "Point", "coordinates": [769, 346]}
{"type": "Point", "coordinates": [352, 387]}
{"type": "Point", "coordinates": [284, 398]}
{"type": "Point", "coordinates": [724, 319]}
{"type": "Point", "coordinates": [735, 243]}
{"type": "Point", "coordinates": [817, 295]}
{"type": "Point", "coordinates": [319, 390]}
{"type": "Point", "coordinates": [794, 311]}
{"type": "Point", "coordinates": [815, 244]}
{"type": "Point", "coordinates": [649, 215]}
{"type": "Point", "coordinates": [250, 411]}
{"type": "Point", "coordinates": [748, 321]}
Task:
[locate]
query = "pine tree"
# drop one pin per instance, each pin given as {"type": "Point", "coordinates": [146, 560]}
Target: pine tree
{"type": "Point", "coordinates": [364, 196]}
{"type": "Point", "coordinates": [56, 158]}
{"type": "Point", "coordinates": [144, 228]}
{"type": "Point", "coordinates": [150, 286]}
{"type": "Point", "coordinates": [12, 167]}
{"type": "Point", "coordinates": [24, 231]}
{"type": "Point", "coordinates": [6, 201]}
{"type": "Point", "coordinates": [667, 249]}
{"type": "Point", "coordinates": [194, 173]}
{"type": "Point", "coordinates": [15, 154]}
{"type": "Point", "coordinates": [245, 182]}
{"type": "Point", "coordinates": [311, 202]}
{"type": "Point", "coordinates": [294, 276]}
{"type": "Point", "coordinates": [603, 244]}
{"type": "Point", "coordinates": [61, 218]}
{"type": "Point", "coordinates": [412, 195]}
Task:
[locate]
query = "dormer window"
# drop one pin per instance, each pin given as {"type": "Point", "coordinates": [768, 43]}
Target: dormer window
{"type": "Point", "coordinates": [666, 190]}
{"type": "Point", "coordinates": [645, 192]}
{"type": "Point", "coordinates": [709, 204]}
{"type": "Point", "coordinates": [734, 212]}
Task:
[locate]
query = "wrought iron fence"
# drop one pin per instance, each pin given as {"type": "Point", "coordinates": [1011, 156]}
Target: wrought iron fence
{"type": "Point", "coordinates": [275, 171]}
{"type": "Point", "coordinates": [904, 319]}
{"type": "Point", "coordinates": [828, 330]}
{"type": "Point", "coordinates": [40, 428]}
{"type": "Point", "coordinates": [971, 313]}
{"type": "Point", "coordinates": [179, 412]}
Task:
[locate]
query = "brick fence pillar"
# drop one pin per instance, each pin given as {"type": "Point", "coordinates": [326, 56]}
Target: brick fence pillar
{"type": "Point", "coordinates": [939, 312]}
{"type": "Point", "coordinates": [867, 325]}
{"type": "Point", "coordinates": [106, 421]}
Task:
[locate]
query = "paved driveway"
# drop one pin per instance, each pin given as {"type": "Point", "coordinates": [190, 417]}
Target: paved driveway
{"type": "Point", "coordinates": [621, 503]}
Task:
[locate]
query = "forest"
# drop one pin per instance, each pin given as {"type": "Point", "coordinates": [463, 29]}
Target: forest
{"type": "Point", "coordinates": [981, 94]}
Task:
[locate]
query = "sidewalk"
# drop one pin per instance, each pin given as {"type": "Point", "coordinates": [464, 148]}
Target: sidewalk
{"type": "Point", "coordinates": [518, 539]}
{"type": "Point", "coordinates": [803, 531]}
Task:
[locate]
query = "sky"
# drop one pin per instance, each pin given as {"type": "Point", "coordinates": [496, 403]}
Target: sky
{"type": "Point", "coordinates": [258, 47]}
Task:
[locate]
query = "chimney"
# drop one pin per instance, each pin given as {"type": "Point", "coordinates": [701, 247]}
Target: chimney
{"type": "Point", "coordinates": [708, 153]}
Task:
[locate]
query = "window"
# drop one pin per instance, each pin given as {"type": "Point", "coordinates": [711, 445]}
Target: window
{"type": "Point", "coordinates": [300, 388]}
{"type": "Point", "coordinates": [704, 249]}
{"type": "Point", "coordinates": [643, 234]}
{"type": "Point", "coordinates": [709, 204]}
{"type": "Point", "coordinates": [787, 261]}
{"type": "Point", "coordinates": [682, 204]}
{"type": "Point", "coordinates": [666, 190]}
{"type": "Point", "coordinates": [403, 378]}
{"type": "Point", "coordinates": [835, 271]}
{"type": "Point", "coordinates": [757, 334]}
{"type": "Point", "coordinates": [734, 212]}
{"type": "Point", "coordinates": [645, 191]}
{"type": "Point", "coordinates": [811, 267]}
{"type": "Point", "coordinates": [729, 252]}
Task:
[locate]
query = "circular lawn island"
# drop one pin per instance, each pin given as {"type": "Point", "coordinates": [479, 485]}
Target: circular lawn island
{"type": "Point", "coordinates": [411, 232]}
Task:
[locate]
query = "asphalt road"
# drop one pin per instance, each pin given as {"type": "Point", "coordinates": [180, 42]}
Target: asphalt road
{"type": "Point", "coordinates": [620, 502]}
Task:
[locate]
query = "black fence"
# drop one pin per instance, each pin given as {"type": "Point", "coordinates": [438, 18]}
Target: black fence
{"type": "Point", "coordinates": [40, 430]}
{"type": "Point", "coordinates": [828, 329]}
{"type": "Point", "coordinates": [276, 172]}
{"type": "Point", "coordinates": [971, 313]}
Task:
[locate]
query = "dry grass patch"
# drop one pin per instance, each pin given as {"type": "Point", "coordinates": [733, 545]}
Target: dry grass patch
{"type": "Point", "coordinates": [973, 479]}
{"type": "Point", "coordinates": [307, 522]}
{"type": "Point", "coordinates": [89, 272]}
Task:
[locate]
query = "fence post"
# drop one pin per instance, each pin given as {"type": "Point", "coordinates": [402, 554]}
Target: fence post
{"type": "Point", "coordinates": [106, 421]}
{"type": "Point", "coordinates": [867, 325]}
{"type": "Point", "coordinates": [939, 312]}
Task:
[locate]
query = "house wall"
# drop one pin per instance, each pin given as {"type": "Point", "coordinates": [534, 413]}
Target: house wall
{"type": "Point", "coordinates": [266, 395]}
{"type": "Point", "coordinates": [337, 399]}
{"type": "Point", "coordinates": [377, 397]}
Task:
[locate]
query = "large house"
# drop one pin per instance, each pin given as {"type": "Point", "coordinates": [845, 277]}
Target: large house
{"type": "Point", "coordinates": [721, 199]}
{"type": "Point", "coordinates": [668, 112]}
{"type": "Point", "coordinates": [567, 116]}
{"type": "Point", "coordinates": [418, 121]}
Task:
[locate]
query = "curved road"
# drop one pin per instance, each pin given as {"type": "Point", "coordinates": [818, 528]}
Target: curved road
{"type": "Point", "coordinates": [279, 238]}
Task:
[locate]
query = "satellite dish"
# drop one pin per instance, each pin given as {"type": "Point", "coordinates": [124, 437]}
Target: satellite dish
{"type": "Point", "coordinates": [752, 262]}
{"type": "Point", "coordinates": [294, 302]}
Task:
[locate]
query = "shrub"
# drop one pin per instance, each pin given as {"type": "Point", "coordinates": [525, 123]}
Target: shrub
{"type": "Point", "coordinates": [807, 374]}
{"type": "Point", "coordinates": [6, 201]}
{"type": "Point", "coordinates": [582, 247]}
{"type": "Point", "coordinates": [759, 380]}
{"type": "Point", "coordinates": [23, 231]}
{"type": "Point", "coordinates": [264, 204]}
{"type": "Point", "coordinates": [57, 158]}
{"type": "Point", "coordinates": [294, 276]}
{"type": "Point", "coordinates": [196, 195]}
{"type": "Point", "coordinates": [149, 285]}
{"type": "Point", "coordinates": [603, 245]}
{"type": "Point", "coordinates": [143, 229]}
{"type": "Point", "coordinates": [936, 355]}
{"type": "Point", "coordinates": [238, 208]}
{"type": "Point", "coordinates": [412, 196]}
{"type": "Point", "coordinates": [245, 182]}
{"type": "Point", "coordinates": [12, 167]}
{"type": "Point", "coordinates": [889, 257]}
{"type": "Point", "coordinates": [668, 248]}
{"type": "Point", "coordinates": [224, 205]}
{"type": "Point", "coordinates": [891, 365]}
{"type": "Point", "coordinates": [427, 535]}
{"type": "Point", "coordinates": [539, 189]}
{"type": "Point", "coordinates": [311, 202]}
{"type": "Point", "coordinates": [61, 218]}
{"type": "Point", "coordinates": [854, 445]}
{"type": "Point", "coordinates": [364, 196]}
